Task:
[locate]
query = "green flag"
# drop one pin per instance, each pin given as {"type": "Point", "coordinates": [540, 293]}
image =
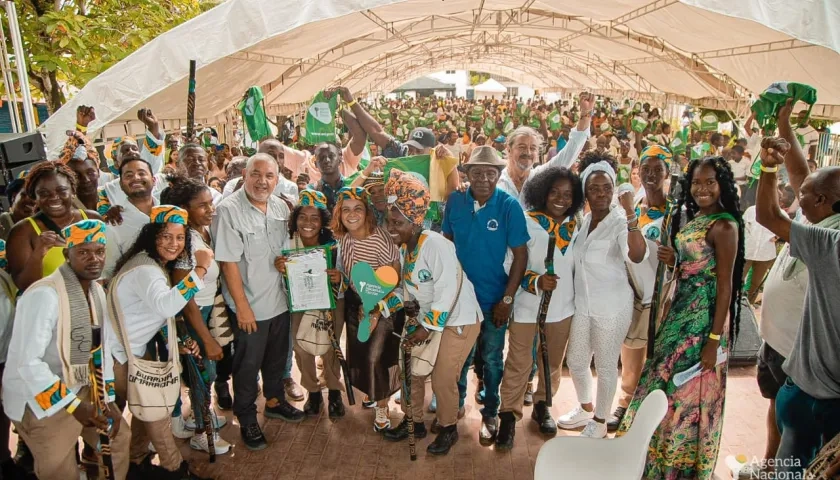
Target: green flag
{"type": "Point", "coordinates": [638, 124]}
{"type": "Point", "coordinates": [700, 150]}
{"type": "Point", "coordinates": [489, 126]}
{"type": "Point", "coordinates": [320, 119]}
{"type": "Point", "coordinates": [771, 100]}
{"type": "Point", "coordinates": [554, 121]}
{"type": "Point", "coordinates": [254, 114]}
{"type": "Point", "coordinates": [708, 122]}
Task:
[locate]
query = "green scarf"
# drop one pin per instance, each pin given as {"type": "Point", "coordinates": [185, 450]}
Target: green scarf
{"type": "Point", "coordinates": [794, 266]}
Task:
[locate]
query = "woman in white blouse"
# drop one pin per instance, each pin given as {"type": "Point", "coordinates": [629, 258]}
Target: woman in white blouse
{"type": "Point", "coordinates": [147, 302]}
{"type": "Point", "coordinates": [554, 199]}
{"type": "Point", "coordinates": [608, 237]}
{"type": "Point", "coordinates": [195, 197]}
{"type": "Point", "coordinates": [443, 300]}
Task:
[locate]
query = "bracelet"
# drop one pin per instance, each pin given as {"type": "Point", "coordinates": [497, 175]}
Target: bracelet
{"type": "Point", "coordinates": [81, 128]}
{"type": "Point", "coordinates": [586, 114]}
{"type": "Point", "coordinates": [73, 405]}
{"type": "Point", "coordinates": [633, 229]}
{"type": "Point", "coordinates": [714, 337]}
{"type": "Point", "coordinates": [363, 176]}
{"type": "Point", "coordinates": [350, 105]}
{"type": "Point", "coordinates": [202, 267]}
{"type": "Point", "coordinates": [769, 169]}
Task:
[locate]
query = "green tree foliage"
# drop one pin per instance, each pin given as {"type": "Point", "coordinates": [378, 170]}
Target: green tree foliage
{"type": "Point", "coordinates": [477, 78]}
{"type": "Point", "coordinates": [69, 42]}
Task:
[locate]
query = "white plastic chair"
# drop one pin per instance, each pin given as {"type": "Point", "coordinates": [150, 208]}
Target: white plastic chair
{"type": "Point", "coordinates": [590, 458]}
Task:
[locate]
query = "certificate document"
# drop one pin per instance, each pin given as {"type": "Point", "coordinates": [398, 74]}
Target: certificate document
{"type": "Point", "coordinates": [307, 280]}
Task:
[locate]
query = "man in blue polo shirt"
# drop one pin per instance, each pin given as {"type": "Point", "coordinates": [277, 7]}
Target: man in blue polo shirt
{"type": "Point", "coordinates": [484, 222]}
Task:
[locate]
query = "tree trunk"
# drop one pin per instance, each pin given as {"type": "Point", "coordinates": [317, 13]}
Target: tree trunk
{"type": "Point", "coordinates": [48, 84]}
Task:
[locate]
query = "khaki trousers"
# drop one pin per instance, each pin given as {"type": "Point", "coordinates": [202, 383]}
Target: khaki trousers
{"type": "Point", "coordinates": [520, 359]}
{"type": "Point", "coordinates": [455, 346]}
{"type": "Point", "coordinates": [159, 432]}
{"type": "Point", "coordinates": [632, 361]}
{"type": "Point", "coordinates": [306, 361]}
{"type": "Point", "coordinates": [53, 441]}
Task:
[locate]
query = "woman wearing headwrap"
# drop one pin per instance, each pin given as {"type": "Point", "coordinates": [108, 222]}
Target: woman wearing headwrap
{"type": "Point", "coordinates": [146, 304]}
{"type": "Point", "coordinates": [36, 243]}
{"type": "Point", "coordinates": [373, 180]}
{"type": "Point", "coordinates": [80, 155]}
{"type": "Point", "coordinates": [310, 227]}
{"type": "Point", "coordinates": [373, 364]}
{"type": "Point", "coordinates": [608, 238]}
{"type": "Point", "coordinates": [651, 210]}
{"type": "Point", "coordinates": [445, 302]}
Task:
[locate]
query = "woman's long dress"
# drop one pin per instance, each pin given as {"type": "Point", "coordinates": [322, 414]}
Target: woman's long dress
{"type": "Point", "coordinates": [686, 443]}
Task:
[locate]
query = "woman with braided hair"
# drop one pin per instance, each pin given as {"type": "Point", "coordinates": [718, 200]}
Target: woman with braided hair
{"type": "Point", "coordinates": [699, 326]}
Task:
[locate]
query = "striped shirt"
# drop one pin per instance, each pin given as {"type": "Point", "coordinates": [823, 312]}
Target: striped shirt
{"type": "Point", "coordinates": [377, 250]}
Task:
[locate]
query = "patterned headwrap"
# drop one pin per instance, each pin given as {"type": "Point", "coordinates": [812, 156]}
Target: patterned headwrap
{"type": "Point", "coordinates": [77, 147]}
{"type": "Point", "coordinates": [409, 195]}
{"type": "Point", "coordinates": [312, 198]}
{"type": "Point", "coordinates": [375, 178]}
{"type": "Point", "coordinates": [353, 193]}
{"type": "Point", "coordinates": [85, 231]}
{"type": "Point", "coordinates": [657, 151]}
{"type": "Point", "coordinates": [3, 262]}
{"type": "Point", "coordinates": [115, 147]}
{"type": "Point", "coordinates": [168, 214]}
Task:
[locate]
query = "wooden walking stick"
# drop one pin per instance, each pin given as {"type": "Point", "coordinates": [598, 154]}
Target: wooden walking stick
{"type": "Point", "coordinates": [345, 372]}
{"type": "Point", "coordinates": [406, 388]}
{"type": "Point", "coordinates": [191, 103]}
{"type": "Point", "coordinates": [99, 395]}
{"type": "Point", "coordinates": [659, 283]}
{"type": "Point", "coordinates": [543, 312]}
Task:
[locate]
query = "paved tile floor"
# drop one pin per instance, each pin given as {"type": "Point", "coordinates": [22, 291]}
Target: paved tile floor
{"type": "Point", "coordinates": [348, 448]}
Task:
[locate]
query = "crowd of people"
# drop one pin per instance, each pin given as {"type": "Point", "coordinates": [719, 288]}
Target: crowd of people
{"type": "Point", "coordinates": [181, 244]}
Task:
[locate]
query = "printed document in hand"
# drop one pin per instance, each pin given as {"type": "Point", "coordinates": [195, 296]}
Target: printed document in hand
{"type": "Point", "coordinates": [309, 284]}
{"type": "Point", "coordinates": [682, 378]}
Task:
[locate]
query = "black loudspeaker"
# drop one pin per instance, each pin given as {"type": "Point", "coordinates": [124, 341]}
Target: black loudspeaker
{"type": "Point", "coordinates": [18, 152]}
{"type": "Point", "coordinates": [745, 350]}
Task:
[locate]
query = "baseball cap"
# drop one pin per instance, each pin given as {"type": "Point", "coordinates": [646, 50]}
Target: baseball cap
{"type": "Point", "coordinates": [422, 138]}
{"type": "Point", "coordinates": [500, 139]}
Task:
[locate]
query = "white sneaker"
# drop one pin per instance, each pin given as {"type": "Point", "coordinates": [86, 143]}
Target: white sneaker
{"type": "Point", "coordinates": [594, 429]}
{"type": "Point", "coordinates": [575, 419]}
{"type": "Point", "coordinates": [383, 420]}
{"type": "Point", "coordinates": [218, 422]}
{"type": "Point", "coordinates": [199, 442]}
{"type": "Point", "coordinates": [179, 428]}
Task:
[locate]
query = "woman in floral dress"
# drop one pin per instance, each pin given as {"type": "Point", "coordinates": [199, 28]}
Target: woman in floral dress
{"type": "Point", "coordinates": [709, 260]}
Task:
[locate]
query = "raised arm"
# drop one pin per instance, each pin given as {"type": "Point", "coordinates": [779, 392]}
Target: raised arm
{"type": "Point", "coordinates": [767, 210]}
{"type": "Point", "coordinates": [357, 134]}
{"type": "Point", "coordinates": [577, 137]}
{"type": "Point", "coordinates": [367, 123]}
{"type": "Point", "coordinates": [795, 161]}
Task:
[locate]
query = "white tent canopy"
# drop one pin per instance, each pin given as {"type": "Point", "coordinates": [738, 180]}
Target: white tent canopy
{"type": "Point", "coordinates": [489, 89]}
{"type": "Point", "coordinates": [700, 51]}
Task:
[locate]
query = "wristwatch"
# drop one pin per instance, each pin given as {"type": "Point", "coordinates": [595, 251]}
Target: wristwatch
{"type": "Point", "coordinates": [507, 300]}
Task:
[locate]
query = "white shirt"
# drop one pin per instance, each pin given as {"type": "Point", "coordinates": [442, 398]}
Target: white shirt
{"type": "Point", "coordinates": [783, 305]}
{"type": "Point", "coordinates": [151, 150]}
{"type": "Point", "coordinates": [206, 296]}
{"type": "Point", "coordinates": [526, 306]}
{"type": "Point", "coordinates": [644, 273]}
{"type": "Point", "coordinates": [33, 364]}
{"type": "Point", "coordinates": [433, 283]}
{"type": "Point", "coordinates": [564, 158]}
{"type": "Point", "coordinates": [601, 285]}
{"type": "Point", "coordinates": [740, 170]}
{"type": "Point", "coordinates": [121, 237]}
{"type": "Point", "coordinates": [288, 188]}
{"type": "Point", "coordinates": [7, 312]}
{"type": "Point", "coordinates": [147, 302]}
{"type": "Point", "coordinates": [229, 186]}
{"type": "Point", "coordinates": [753, 148]}
{"type": "Point", "coordinates": [759, 243]}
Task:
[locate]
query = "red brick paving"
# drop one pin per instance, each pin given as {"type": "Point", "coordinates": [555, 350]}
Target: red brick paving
{"type": "Point", "coordinates": [348, 448]}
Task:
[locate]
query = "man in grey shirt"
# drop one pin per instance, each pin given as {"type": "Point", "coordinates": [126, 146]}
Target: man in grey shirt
{"type": "Point", "coordinates": [250, 231]}
{"type": "Point", "coordinates": [808, 405]}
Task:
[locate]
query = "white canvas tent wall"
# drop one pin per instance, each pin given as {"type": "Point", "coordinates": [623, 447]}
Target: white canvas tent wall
{"type": "Point", "coordinates": [712, 52]}
{"type": "Point", "coordinates": [489, 89]}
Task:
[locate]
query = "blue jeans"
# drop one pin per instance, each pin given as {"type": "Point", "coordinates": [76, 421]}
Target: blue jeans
{"type": "Point", "coordinates": [492, 345]}
{"type": "Point", "coordinates": [806, 424]}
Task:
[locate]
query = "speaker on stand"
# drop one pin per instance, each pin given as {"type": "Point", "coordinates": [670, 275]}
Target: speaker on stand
{"type": "Point", "coordinates": [19, 152]}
